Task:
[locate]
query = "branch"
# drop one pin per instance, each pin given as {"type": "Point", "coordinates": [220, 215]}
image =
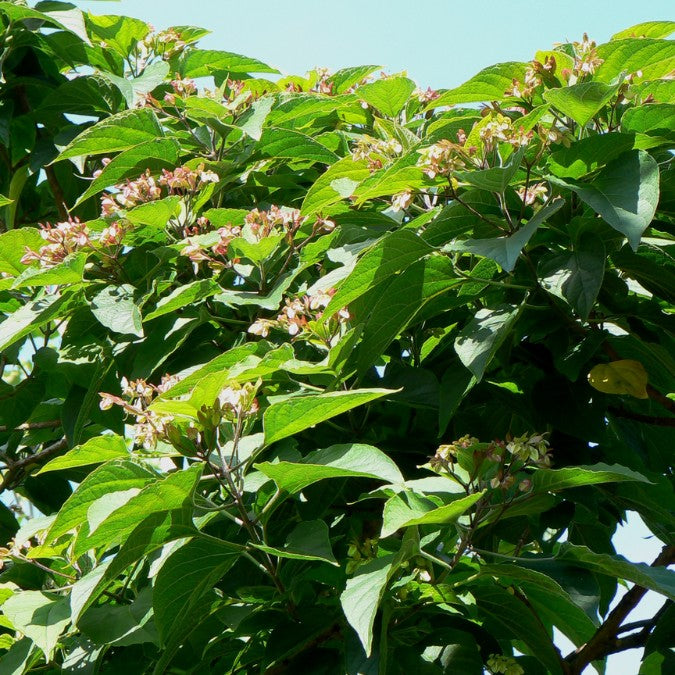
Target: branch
{"type": "Point", "coordinates": [47, 424]}
{"type": "Point", "coordinates": [605, 640]}
{"type": "Point", "coordinates": [646, 419]}
{"type": "Point", "coordinates": [15, 470]}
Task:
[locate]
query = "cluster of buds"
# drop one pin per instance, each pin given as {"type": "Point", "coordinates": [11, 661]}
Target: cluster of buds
{"type": "Point", "coordinates": [114, 233]}
{"type": "Point", "coordinates": [323, 85]}
{"type": "Point", "coordinates": [199, 254]}
{"type": "Point", "coordinates": [131, 193]}
{"type": "Point", "coordinates": [137, 395]}
{"type": "Point", "coordinates": [446, 455]}
{"type": "Point", "coordinates": [506, 665]}
{"type": "Point", "coordinates": [262, 224]}
{"type": "Point", "coordinates": [237, 401]}
{"type": "Point", "coordinates": [533, 449]}
{"type": "Point", "coordinates": [301, 316]}
{"type": "Point", "coordinates": [360, 551]}
{"type": "Point", "coordinates": [529, 194]}
{"type": "Point", "coordinates": [401, 201]}
{"type": "Point", "coordinates": [441, 159]}
{"type": "Point", "coordinates": [183, 180]}
{"type": "Point", "coordinates": [426, 96]}
{"type": "Point", "coordinates": [500, 129]}
{"type": "Point", "coordinates": [586, 60]}
{"type": "Point", "coordinates": [62, 240]}
{"type": "Point", "coordinates": [182, 87]}
{"type": "Point", "coordinates": [376, 151]}
{"type": "Point", "coordinates": [165, 43]}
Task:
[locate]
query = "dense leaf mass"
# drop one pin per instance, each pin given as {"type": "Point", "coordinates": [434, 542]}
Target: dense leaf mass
{"type": "Point", "coordinates": [330, 374]}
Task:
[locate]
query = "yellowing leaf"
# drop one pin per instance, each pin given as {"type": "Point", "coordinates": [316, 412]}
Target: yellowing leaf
{"type": "Point", "coordinates": [620, 377]}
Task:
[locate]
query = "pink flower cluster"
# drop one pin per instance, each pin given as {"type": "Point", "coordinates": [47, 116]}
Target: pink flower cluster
{"type": "Point", "coordinates": [62, 240]}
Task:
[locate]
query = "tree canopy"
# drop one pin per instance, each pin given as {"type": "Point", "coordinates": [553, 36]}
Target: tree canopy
{"type": "Point", "coordinates": [329, 373]}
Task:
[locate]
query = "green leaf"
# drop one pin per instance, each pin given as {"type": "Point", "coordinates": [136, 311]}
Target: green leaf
{"type": "Point", "coordinates": [120, 33]}
{"type": "Point", "coordinates": [338, 461]}
{"type": "Point", "coordinates": [590, 153]}
{"type": "Point", "coordinates": [362, 596]}
{"type": "Point", "coordinates": [160, 153]}
{"type": "Point", "coordinates": [13, 245]}
{"type": "Point", "coordinates": [647, 29]}
{"type": "Point", "coordinates": [625, 193]}
{"type": "Point", "coordinates": [510, 615]}
{"type": "Point", "coordinates": [407, 509]}
{"type": "Point", "coordinates": [552, 602]}
{"type": "Point", "coordinates": [114, 476]}
{"type": "Point", "coordinates": [658, 579]}
{"type": "Point", "coordinates": [309, 540]}
{"type": "Point", "coordinates": [481, 338]}
{"type": "Point", "coordinates": [651, 268]}
{"type": "Point", "coordinates": [117, 132]}
{"type": "Point", "coordinates": [331, 186]}
{"type": "Point", "coordinates": [187, 294]}
{"type": "Point", "coordinates": [554, 480]}
{"type": "Point", "coordinates": [156, 214]}
{"type": "Point", "coordinates": [391, 254]}
{"type": "Point", "coordinates": [183, 580]}
{"type": "Point", "coordinates": [396, 305]}
{"type": "Point", "coordinates": [577, 276]}
{"type": "Point", "coordinates": [18, 658]}
{"type": "Point", "coordinates": [296, 414]}
{"type": "Point", "coordinates": [276, 142]}
{"type": "Point", "coordinates": [655, 119]}
{"type": "Point", "coordinates": [252, 122]}
{"type": "Point", "coordinates": [171, 493]}
{"type": "Point", "coordinates": [121, 625]}
{"type": "Point", "coordinates": [203, 62]}
{"type": "Point", "coordinates": [115, 309]}
{"type": "Point", "coordinates": [388, 95]}
{"type": "Point", "coordinates": [348, 77]}
{"type": "Point", "coordinates": [653, 58]}
{"type": "Point", "coordinates": [488, 85]}
{"type": "Point", "coordinates": [40, 616]}
{"type": "Point", "coordinates": [506, 250]}
{"type": "Point", "coordinates": [496, 179]}
{"type": "Point", "coordinates": [95, 451]}
{"type": "Point", "coordinates": [582, 101]}
{"type": "Point", "coordinates": [255, 251]}
{"type": "Point", "coordinates": [399, 176]}
{"type": "Point", "coordinates": [70, 271]}
{"type": "Point", "coordinates": [136, 89]}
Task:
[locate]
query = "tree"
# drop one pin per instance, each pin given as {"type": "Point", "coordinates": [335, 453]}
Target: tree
{"type": "Point", "coordinates": [330, 374]}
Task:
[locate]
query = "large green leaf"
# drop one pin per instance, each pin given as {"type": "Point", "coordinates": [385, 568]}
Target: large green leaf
{"type": "Point", "coordinates": [577, 276]}
{"type": "Point", "coordinates": [296, 414]}
{"type": "Point", "coordinates": [625, 193]}
{"type": "Point", "coordinates": [203, 62]}
{"type": "Point", "coordinates": [117, 132]}
{"type": "Point", "coordinates": [388, 95]}
{"type": "Point", "coordinates": [401, 175]}
{"type": "Point", "coordinates": [647, 29]}
{"type": "Point", "coordinates": [506, 250]}
{"type": "Point", "coordinates": [481, 338]}
{"type": "Point", "coordinates": [488, 85]}
{"type": "Point", "coordinates": [582, 101]}
{"type": "Point", "coordinates": [169, 494]}
{"type": "Point", "coordinates": [40, 616]}
{"type": "Point", "coordinates": [187, 294]}
{"type": "Point", "coordinates": [186, 575]}
{"type": "Point", "coordinates": [115, 308]}
{"type": "Point", "coordinates": [95, 451]}
{"type": "Point", "coordinates": [658, 579]}
{"type": "Point", "coordinates": [338, 461]}
{"type": "Point", "coordinates": [407, 509]}
{"type": "Point", "coordinates": [135, 90]}
{"type": "Point", "coordinates": [114, 476]}
{"type": "Point", "coordinates": [652, 58]}
{"type": "Point", "coordinates": [159, 153]}
{"type": "Point", "coordinates": [309, 540]}
{"type": "Point", "coordinates": [589, 154]}
{"type": "Point", "coordinates": [553, 480]}
{"type": "Point", "coordinates": [495, 179]}
{"type": "Point", "coordinates": [390, 255]}
{"type": "Point", "coordinates": [276, 142]}
{"type": "Point", "coordinates": [13, 245]}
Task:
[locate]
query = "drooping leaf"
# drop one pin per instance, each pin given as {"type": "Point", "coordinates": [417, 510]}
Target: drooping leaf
{"type": "Point", "coordinates": [625, 376]}
{"type": "Point", "coordinates": [554, 480]}
{"type": "Point", "coordinates": [115, 308]}
{"type": "Point", "coordinates": [289, 417]}
{"type": "Point", "coordinates": [95, 451]}
{"type": "Point", "coordinates": [338, 461]}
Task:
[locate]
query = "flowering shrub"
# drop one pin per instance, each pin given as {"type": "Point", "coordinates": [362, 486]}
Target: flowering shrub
{"type": "Point", "coordinates": [242, 319]}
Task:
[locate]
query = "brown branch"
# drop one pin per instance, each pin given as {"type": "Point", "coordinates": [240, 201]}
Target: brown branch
{"type": "Point", "coordinates": [605, 640]}
{"type": "Point", "coordinates": [15, 471]}
{"type": "Point", "coordinates": [57, 192]}
{"type": "Point", "coordinates": [47, 424]}
{"type": "Point", "coordinates": [646, 419]}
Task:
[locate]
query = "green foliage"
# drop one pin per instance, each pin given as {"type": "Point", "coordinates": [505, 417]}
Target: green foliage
{"type": "Point", "coordinates": [233, 365]}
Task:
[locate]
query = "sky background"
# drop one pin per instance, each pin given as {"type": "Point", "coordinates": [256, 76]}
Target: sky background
{"type": "Point", "coordinates": [440, 43]}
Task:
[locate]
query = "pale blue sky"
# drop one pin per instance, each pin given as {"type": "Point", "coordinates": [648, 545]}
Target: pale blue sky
{"type": "Point", "coordinates": [440, 43]}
